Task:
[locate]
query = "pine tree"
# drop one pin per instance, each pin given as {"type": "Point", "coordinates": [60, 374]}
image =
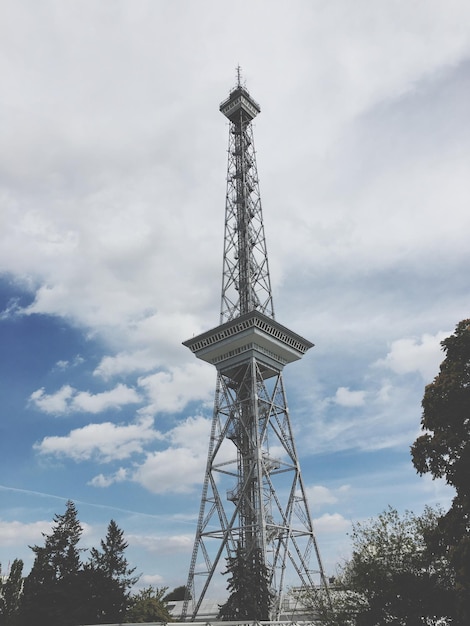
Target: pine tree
{"type": "Point", "coordinates": [61, 545]}
{"type": "Point", "coordinates": [110, 577]}
{"type": "Point", "coordinates": [111, 560]}
{"type": "Point", "coordinates": [250, 595]}
{"type": "Point", "coordinates": [50, 593]}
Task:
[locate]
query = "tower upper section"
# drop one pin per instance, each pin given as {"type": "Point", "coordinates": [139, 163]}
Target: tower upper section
{"type": "Point", "coordinates": [232, 344]}
{"type": "Point", "coordinates": [247, 327]}
{"type": "Point", "coordinates": [240, 104]}
{"type": "Point", "coordinates": [246, 285]}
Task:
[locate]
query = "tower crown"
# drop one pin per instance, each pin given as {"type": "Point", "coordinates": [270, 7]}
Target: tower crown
{"type": "Point", "coordinates": [240, 101]}
{"type": "Point", "coordinates": [246, 283]}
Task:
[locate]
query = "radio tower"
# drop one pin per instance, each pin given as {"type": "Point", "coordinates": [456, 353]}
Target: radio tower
{"type": "Point", "coordinates": [253, 495]}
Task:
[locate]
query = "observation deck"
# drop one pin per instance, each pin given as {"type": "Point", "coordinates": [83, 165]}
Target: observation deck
{"type": "Point", "coordinates": [253, 335]}
{"type": "Point", "coordinates": [238, 101]}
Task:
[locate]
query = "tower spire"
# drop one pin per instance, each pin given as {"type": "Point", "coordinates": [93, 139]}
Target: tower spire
{"type": "Point", "coordinates": [246, 284]}
{"type": "Point", "coordinates": [239, 73]}
{"type": "Point", "coordinates": [253, 494]}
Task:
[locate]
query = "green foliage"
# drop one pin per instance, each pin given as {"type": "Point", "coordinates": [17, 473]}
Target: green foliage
{"type": "Point", "coordinates": [148, 605]}
{"type": "Point", "coordinates": [391, 577]}
{"type": "Point", "coordinates": [443, 451]}
{"type": "Point", "coordinates": [177, 594]}
{"type": "Point", "coordinates": [336, 606]}
{"type": "Point", "coordinates": [49, 595]}
{"type": "Point", "coordinates": [10, 594]}
{"type": "Point", "coordinates": [111, 560]}
{"type": "Point", "coordinates": [62, 591]}
{"type": "Point", "coordinates": [111, 576]}
{"type": "Point", "coordinates": [250, 594]}
{"type": "Point", "coordinates": [98, 598]}
{"type": "Point", "coordinates": [61, 545]}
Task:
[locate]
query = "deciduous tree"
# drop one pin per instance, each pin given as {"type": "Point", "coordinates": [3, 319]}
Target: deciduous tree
{"type": "Point", "coordinates": [391, 577]}
{"type": "Point", "coordinates": [177, 594]}
{"type": "Point", "coordinates": [443, 451]}
{"type": "Point", "coordinates": [148, 605]}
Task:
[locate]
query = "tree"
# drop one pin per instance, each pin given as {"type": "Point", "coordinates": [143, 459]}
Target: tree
{"type": "Point", "coordinates": [38, 602]}
{"type": "Point", "coordinates": [111, 560]}
{"type": "Point", "coordinates": [50, 594]}
{"type": "Point", "coordinates": [110, 577]}
{"type": "Point", "coordinates": [62, 591]}
{"type": "Point", "coordinates": [176, 595]}
{"type": "Point", "coordinates": [391, 577]}
{"type": "Point", "coordinates": [61, 545]}
{"type": "Point", "coordinates": [96, 598]}
{"type": "Point", "coordinates": [148, 605]}
{"type": "Point", "coordinates": [10, 593]}
{"type": "Point", "coordinates": [443, 451]}
{"type": "Point", "coordinates": [336, 606]}
{"type": "Point", "coordinates": [250, 594]}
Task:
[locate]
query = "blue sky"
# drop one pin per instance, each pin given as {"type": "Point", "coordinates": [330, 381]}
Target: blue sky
{"type": "Point", "coordinates": [112, 188]}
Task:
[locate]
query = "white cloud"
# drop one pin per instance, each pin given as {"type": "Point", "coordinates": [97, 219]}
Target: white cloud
{"type": "Point", "coordinates": [11, 311]}
{"type": "Point", "coordinates": [113, 399]}
{"type": "Point", "coordinates": [175, 470]}
{"type": "Point", "coordinates": [331, 523]}
{"type": "Point", "coordinates": [126, 363]}
{"type": "Point", "coordinates": [15, 532]}
{"type": "Point", "coordinates": [171, 391]}
{"type": "Point", "coordinates": [165, 391]}
{"type": "Point", "coordinates": [150, 580]}
{"type": "Point", "coordinates": [64, 364]}
{"type": "Point", "coordinates": [111, 213]}
{"type": "Point", "coordinates": [193, 429]}
{"type": "Point", "coordinates": [55, 404]}
{"type": "Point", "coordinates": [384, 394]}
{"type": "Point", "coordinates": [104, 442]}
{"type": "Point", "coordinates": [318, 495]}
{"type": "Point", "coordinates": [388, 419]}
{"type": "Point", "coordinates": [422, 355]}
{"type": "Point", "coordinates": [345, 397]}
{"type": "Point", "coordinates": [180, 468]}
{"type": "Point", "coordinates": [105, 481]}
{"type": "Point", "coordinates": [68, 400]}
{"type": "Point", "coordinates": [163, 544]}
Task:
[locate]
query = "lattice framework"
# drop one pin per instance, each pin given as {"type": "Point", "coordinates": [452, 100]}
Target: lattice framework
{"type": "Point", "coordinates": [253, 493]}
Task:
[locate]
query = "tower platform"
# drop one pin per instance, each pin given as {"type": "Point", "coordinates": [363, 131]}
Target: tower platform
{"type": "Point", "coordinates": [253, 335]}
{"type": "Point", "coordinates": [240, 102]}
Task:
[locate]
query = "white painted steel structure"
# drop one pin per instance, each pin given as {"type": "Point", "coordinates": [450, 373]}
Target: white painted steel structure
{"type": "Point", "coordinates": [253, 494]}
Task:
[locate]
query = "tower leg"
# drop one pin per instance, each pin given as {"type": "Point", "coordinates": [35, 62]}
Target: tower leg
{"type": "Point", "coordinates": [253, 493]}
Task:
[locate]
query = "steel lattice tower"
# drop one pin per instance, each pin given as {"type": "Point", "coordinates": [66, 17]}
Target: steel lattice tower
{"type": "Point", "coordinates": [253, 494]}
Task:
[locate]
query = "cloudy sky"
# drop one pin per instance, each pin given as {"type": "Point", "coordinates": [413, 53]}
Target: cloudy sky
{"type": "Point", "coordinates": [112, 188]}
